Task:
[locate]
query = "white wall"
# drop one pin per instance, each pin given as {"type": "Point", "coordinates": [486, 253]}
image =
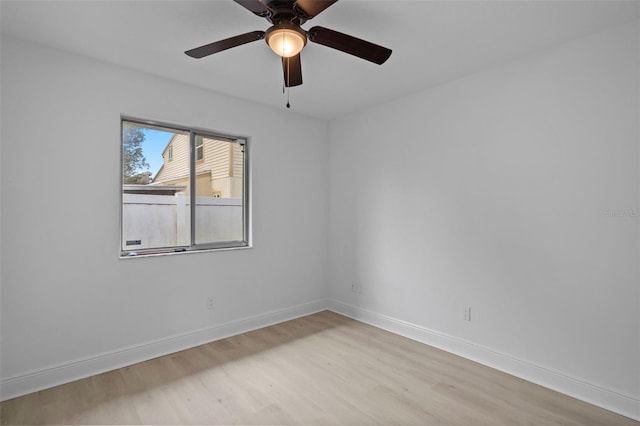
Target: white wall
{"type": "Point", "coordinates": [490, 191]}
{"type": "Point", "coordinates": [66, 295]}
{"type": "Point", "coordinates": [497, 191]}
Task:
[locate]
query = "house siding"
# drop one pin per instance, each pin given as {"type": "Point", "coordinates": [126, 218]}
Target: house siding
{"type": "Point", "coordinates": [219, 173]}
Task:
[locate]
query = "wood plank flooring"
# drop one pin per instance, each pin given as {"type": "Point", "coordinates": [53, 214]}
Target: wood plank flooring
{"type": "Point", "coordinates": [321, 369]}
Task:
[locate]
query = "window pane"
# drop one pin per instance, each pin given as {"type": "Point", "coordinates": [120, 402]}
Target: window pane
{"type": "Point", "coordinates": [155, 190]}
{"type": "Point", "coordinates": [199, 148]}
{"type": "Point", "coordinates": [219, 215]}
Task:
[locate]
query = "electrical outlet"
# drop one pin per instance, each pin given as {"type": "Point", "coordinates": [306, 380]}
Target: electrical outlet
{"type": "Point", "coordinates": [466, 313]}
{"type": "Point", "coordinates": [210, 303]}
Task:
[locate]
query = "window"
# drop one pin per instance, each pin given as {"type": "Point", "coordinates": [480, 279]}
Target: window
{"type": "Point", "coordinates": [199, 148]}
{"type": "Point", "coordinates": [176, 200]}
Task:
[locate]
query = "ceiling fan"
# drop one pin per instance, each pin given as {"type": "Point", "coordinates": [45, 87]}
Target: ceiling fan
{"type": "Point", "coordinates": [286, 38]}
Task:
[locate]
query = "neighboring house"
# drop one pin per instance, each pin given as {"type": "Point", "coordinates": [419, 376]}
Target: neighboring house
{"type": "Point", "coordinates": [218, 166]}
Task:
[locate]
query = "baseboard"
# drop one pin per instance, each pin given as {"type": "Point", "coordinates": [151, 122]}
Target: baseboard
{"type": "Point", "coordinates": [610, 400]}
{"type": "Point", "coordinates": [78, 369]}
{"type": "Point", "coordinates": [81, 368]}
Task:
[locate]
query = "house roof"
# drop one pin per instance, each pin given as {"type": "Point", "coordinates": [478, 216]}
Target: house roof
{"type": "Point", "coordinates": [153, 190]}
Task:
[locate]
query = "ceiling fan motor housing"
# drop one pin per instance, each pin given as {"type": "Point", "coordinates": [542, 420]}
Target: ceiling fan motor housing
{"type": "Point", "coordinates": [285, 11]}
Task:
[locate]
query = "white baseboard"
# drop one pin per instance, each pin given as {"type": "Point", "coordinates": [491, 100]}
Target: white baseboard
{"type": "Point", "coordinates": [78, 369]}
{"type": "Point", "coordinates": [613, 401]}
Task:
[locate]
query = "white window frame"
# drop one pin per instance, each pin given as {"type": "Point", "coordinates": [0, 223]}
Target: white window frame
{"type": "Point", "coordinates": [246, 192]}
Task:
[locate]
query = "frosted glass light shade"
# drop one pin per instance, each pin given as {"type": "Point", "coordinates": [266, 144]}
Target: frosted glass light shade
{"type": "Point", "coordinates": [285, 42]}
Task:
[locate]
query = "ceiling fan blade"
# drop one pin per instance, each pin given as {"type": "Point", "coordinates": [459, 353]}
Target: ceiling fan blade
{"type": "Point", "coordinates": [292, 68]}
{"type": "Point", "coordinates": [255, 6]}
{"type": "Point", "coordinates": [227, 43]}
{"type": "Point", "coordinates": [349, 44]}
{"type": "Point", "coordinates": [311, 8]}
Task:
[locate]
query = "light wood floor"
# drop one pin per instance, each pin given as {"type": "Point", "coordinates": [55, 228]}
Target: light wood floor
{"type": "Point", "coordinates": [320, 369]}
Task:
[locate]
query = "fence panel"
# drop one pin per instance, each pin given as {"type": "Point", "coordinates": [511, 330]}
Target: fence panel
{"type": "Point", "coordinates": [164, 220]}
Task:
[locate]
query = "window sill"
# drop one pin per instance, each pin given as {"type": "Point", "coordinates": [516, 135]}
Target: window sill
{"type": "Point", "coordinates": [181, 252]}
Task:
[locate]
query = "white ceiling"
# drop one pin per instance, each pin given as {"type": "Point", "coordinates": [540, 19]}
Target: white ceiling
{"type": "Point", "coordinates": [432, 41]}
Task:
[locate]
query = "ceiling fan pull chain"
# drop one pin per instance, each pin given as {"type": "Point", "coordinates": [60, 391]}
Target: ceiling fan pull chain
{"type": "Point", "coordinates": [288, 81]}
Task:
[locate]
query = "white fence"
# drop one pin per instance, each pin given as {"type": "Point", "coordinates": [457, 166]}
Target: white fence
{"type": "Point", "coordinates": [165, 220]}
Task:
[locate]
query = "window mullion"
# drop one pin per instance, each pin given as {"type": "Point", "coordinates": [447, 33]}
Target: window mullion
{"type": "Point", "coordinates": [192, 185]}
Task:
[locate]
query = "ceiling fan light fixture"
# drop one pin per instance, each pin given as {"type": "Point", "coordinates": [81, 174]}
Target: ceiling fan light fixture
{"type": "Point", "coordinates": [285, 40]}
